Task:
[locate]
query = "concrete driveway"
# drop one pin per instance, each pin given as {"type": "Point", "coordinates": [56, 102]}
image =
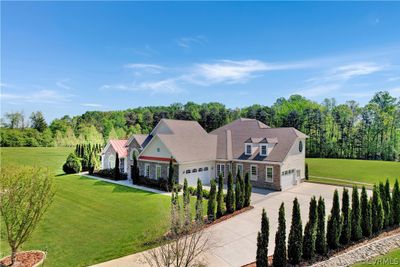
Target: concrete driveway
{"type": "Point", "coordinates": [234, 241]}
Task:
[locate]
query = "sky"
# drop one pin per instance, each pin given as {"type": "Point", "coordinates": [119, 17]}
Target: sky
{"type": "Point", "coordinates": [69, 57]}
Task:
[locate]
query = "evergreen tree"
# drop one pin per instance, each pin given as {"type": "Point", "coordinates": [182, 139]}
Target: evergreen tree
{"type": "Point", "coordinates": [239, 192]}
{"type": "Point", "coordinates": [295, 242]}
{"type": "Point", "coordinates": [356, 230]}
{"type": "Point", "coordinates": [135, 170]}
{"type": "Point", "coordinates": [186, 203]}
{"type": "Point", "coordinates": [211, 205]}
{"type": "Point", "coordinates": [199, 202]}
{"type": "Point", "coordinates": [220, 196]}
{"type": "Point", "coordinates": [320, 243]}
{"type": "Point", "coordinates": [334, 223]}
{"type": "Point", "coordinates": [346, 226]}
{"type": "Point", "coordinates": [262, 241]}
{"type": "Point", "coordinates": [385, 205]}
{"type": "Point", "coordinates": [279, 258]}
{"type": "Point", "coordinates": [247, 190]}
{"type": "Point", "coordinates": [230, 197]}
{"type": "Point", "coordinates": [171, 181]}
{"type": "Point", "coordinates": [366, 226]}
{"type": "Point", "coordinates": [116, 169]}
{"type": "Point", "coordinates": [38, 122]}
{"type": "Point", "coordinates": [175, 213]}
{"type": "Point", "coordinates": [310, 231]}
{"type": "Point", "coordinates": [396, 203]}
{"type": "Point", "coordinates": [377, 212]}
{"type": "Point", "coordinates": [306, 171]}
{"type": "Point", "coordinates": [389, 219]}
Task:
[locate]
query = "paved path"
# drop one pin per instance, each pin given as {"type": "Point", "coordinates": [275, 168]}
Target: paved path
{"type": "Point", "coordinates": [235, 238]}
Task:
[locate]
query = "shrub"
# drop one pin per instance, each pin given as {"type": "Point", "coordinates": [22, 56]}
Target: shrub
{"type": "Point", "coordinates": [206, 194]}
{"type": "Point", "coordinates": [310, 231]}
{"type": "Point", "coordinates": [192, 190]}
{"type": "Point", "coordinates": [389, 203]}
{"type": "Point", "coordinates": [116, 169]}
{"type": "Point", "coordinates": [220, 196]}
{"type": "Point", "coordinates": [230, 197]}
{"type": "Point", "coordinates": [211, 205]}
{"type": "Point", "coordinates": [295, 242]}
{"type": "Point", "coordinates": [247, 190]}
{"type": "Point", "coordinates": [110, 174]}
{"type": "Point", "coordinates": [279, 258]}
{"type": "Point", "coordinates": [306, 171]}
{"type": "Point", "coordinates": [356, 231]}
{"type": "Point", "coordinates": [262, 241]}
{"type": "Point", "coordinates": [134, 170]}
{"type": "Point", "coordinates": [239, 194]}
{"type": "Point", "coordinates": [396, 203]}
{"type": "Point", "coordinates": [186, 203]}
{"type": "Point", "coordinates": [333, 227]}
{"type": "Point", "coordinates": [346, 230]}
{"type": "Point", "coordinates": [320, 242]}
{"type": "Point", "coordinates": [385, 205]}
{"type": "Point", "coordinates": [366, 226]}
{"type": "Point", "coordinates": [160, 184]}
{"type": "Point", "coordinates": [199, 201]}
{"type": "Point", "coordinates": [72, 165]}
{"type": "Point", "coordinates": [376, 211]}
{"type": "Point", "coordinates": [171, 181]}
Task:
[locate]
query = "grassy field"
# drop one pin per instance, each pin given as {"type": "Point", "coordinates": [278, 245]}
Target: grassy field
{"type": "Point", "coordinates": [390, 259]}
{"type": "Point", "coordinates": [90, 221]}
{"type": "Point", "coordinates": [349, 170]}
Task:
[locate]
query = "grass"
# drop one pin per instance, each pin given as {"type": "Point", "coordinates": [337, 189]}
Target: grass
{"type": "Point", "coordinates": [90, 221]}
{"type": "Point", "coordinates": [351, 171]}
{"type": "Point", "coordinates": [390, 259]}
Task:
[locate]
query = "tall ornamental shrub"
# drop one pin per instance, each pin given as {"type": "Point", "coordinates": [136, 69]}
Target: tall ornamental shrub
{"type": "Point", "coordinates": [186, 204]}
{"type": "Point", "coordinates": [346, 230]}
{"type": "Point", "coordinates": [377, 213]}
{"type": "Point", "coordinates": [135, 170]}
{"type": "Point", "coordinates": [230, 197]}
{"type": "Point", "coordinates": [211, 204]}
{"type": "Point", "coordinates": [334, 223]}
{"type": "Point", "coordinates": [396, 203]}
{"type": "Point", "coordinates": [385, 205]}
{"type": "Point", "coordinates": [199, 202]}
{"type": "Point", "coordinates": [171, 181]}
{"type": "Point", "coordinates": [279, 258]}
{"type": "Point", "coordinates": [220, 196]}
{"type": "Point", "coordinates": [320, 242]}
{"type": "Point", "coordinates": [72, 165]}
{"type": "Point", "coordinates": [356, 231]}
{"type": "Point", "coordinates": [295, 242]}
{"type": "Point", "coordinates": [306, 171]}
{"type": "Point", "coordinates": [262, 242]}
{"type": "Point", "coordinates": [310, 231]}
{"type": "Point", "coordinates": [366, 223]}
{"type": "Point", "coordinates": [238, 192]}
{"type": "Point", "coordinates": [389, 203]}
{"type": "Point", "coordinates": [247, 190]}
{"type": "Point", "coordinates": [116, 169]}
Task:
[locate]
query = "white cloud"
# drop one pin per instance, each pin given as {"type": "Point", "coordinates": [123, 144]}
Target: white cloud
{"type": "Point", "coordinates": [151, 68]}
{"type": "Point", "coordinates": [94, 105]}
{"type": "Point", "coordinates": [187, 42]}
{"type": "Point", "coordinates": [165, 86]}
{"type": "Point", "coordinates": [318, 90]}
{"type": "Point", "coordinates": [393, 79]}
{"type": "Point", "coordinates": [63, 84]}
{"type": "Point", "coordinates": [347, 72]}
{"type": "Point", "coordinates": [41, 96]}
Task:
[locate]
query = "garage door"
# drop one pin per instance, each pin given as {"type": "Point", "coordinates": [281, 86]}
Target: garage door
{"type": "Point", "coordinates": [288, 180]}
{"type": "Point", "coordinates": [198, 173]}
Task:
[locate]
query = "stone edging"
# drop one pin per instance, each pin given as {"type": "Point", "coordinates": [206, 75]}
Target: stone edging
{"type": "Point", "coordinates": [34, 251]}
{"type": "Point", "coordinates": [363, 253]}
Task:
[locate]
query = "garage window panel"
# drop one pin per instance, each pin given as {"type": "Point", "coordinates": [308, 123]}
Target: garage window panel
{"type": "Point", "coordinates": [254, 172]}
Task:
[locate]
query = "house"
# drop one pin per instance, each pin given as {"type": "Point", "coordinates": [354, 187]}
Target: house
{"type": "Point", "coordinates": [273, 157]}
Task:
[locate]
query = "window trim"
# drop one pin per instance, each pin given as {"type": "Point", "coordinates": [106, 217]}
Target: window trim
{"type": "Point", "coordinates": [221, 170]}
{"type": "Point", "coordinates": [158, 167]}
{"type": "Point", "coordinates": [271, 180]}
{"type": "Point", "coordinates": [146, 167]}
{"type": "Point", "coordinates": [245, 149]}
{"type": "Point", "coordinates": [251, 172]}
{"type": "Point", "coordinates": [237, 169]}
{"type": "Point", "coordinates": [266, 150]}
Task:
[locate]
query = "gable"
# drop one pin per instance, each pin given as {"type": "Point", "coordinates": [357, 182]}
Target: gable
{"type": "Point", "coordinates": [155, 149]}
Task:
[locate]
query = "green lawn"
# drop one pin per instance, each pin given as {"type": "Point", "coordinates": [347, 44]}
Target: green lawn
{"type": "Point", "coordinates": [364, 171]}
{"type": "Point", "coordinates": [390, 259]}
{"type": "Point", "coordinates": [90, 221]}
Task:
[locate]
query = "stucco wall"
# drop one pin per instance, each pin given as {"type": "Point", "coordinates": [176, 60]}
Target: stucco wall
{"type": "Point", "coordinates": [151, 149]}
{"type": "Point", "coordinates": [296, 159]}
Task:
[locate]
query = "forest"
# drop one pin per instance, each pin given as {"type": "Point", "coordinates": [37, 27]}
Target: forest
{"type": "Point", "coordinates": [335, 130]}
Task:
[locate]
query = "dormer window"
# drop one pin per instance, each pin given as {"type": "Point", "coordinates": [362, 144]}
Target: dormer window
{"type": "Point", "coordinates": [248, 149]}
{"type": "Point", "coordinates": [263, 150]}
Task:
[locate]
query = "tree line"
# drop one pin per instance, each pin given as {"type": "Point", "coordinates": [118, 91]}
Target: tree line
{"type": "Point", "coordinates": [335, 130]}
{"type": "Point", "coordinates": [364, 218]}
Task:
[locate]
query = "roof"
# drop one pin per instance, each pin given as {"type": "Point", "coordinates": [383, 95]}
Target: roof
{"type": "Point", "coordinates": [120, 147]}
{"type": "Point", "coordinates": [183, 127]}
{"type": "Point", "coordinates": [245, 130]}
{"type": "Point", "coordinates": [141, 139]}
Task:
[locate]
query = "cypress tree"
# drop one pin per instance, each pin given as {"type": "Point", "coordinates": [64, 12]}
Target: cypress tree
{"type": "Point", "coordinates": [262, 241]}
{"type": "Point", "coordinates": [220, 196]}
{"type": "Point", "coordinates": [310, 231]}
{"type": "Point", "coordinates": [116, 169]}
{"type": "Point", "coordinates": [230, 197]}
{"type": "Point", "coordinates": [334, 223]}
{"type": "Point", "coordinates": [135, 170]}
{"type": "Point", "coordinates": [199, 202]}
{"type": "Point", "coordinates": [171, 181]}
{"type": "Point", "coordinates": [306, 171]}
{"type": "Point", "coordinates": [295, 242]}
{"type": "Point", "coordinates": [377, 212]}
{"type": "Point", "coordinates": [247, 190]}
{"type": "Point", "coordinates": [356, 230]}
{"type": "Point", "coordinates": [365, 214]}
{"type": "Point", "coordinates": [346, 230]}
{"type": "Point", "coordinates": [396, 203]}
{"type": "Point", "coordinates": [385, 205]}
{"type": "Point", "coordinates": [389, 218]}
{"type": "Point", "coordinates": [239, 192]}
{"type": "Point", "coordinates": [212, 201]}
{"type": "Point", "coordinates": [279, 259]}
{"type": "Point", "coordinates": [320, 242]}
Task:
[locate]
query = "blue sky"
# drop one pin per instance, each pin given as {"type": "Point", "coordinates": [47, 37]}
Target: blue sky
{"type": "Point", "coordinates": [66, 58]}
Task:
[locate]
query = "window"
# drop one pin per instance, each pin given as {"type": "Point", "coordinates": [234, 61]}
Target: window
{"type": "Point", "coordinates": [254, 172]}
{"type": "Point", "coordinates": [158, 171]}
{"type": "Point", "coordinates": [111, 162]}
{"type": "Point", "coordinates": [200, 169]}
{"type": "Point", "coordinates": [206, 169]}
{"type": "Point", "coordinates": [263, 150]}
{"type": "Point", "coordinates": [147, 170]}
{"type": "Point", "coordinates": [239, 169]}
{"type": "Point", "coordinates": [248, 149]}
{"type": "Point", "coordinates": [194, 170]}
{"type": "Point", "coordinates": [269, 174]}
{"type": "Point", "coordinates": [188, 171]}
{"type": "Point", "coordinates": [158, 149]}
{"type": "Point", "coordinates": [300, 146]}
{"type": "Point", "coordinates": [221, 169]}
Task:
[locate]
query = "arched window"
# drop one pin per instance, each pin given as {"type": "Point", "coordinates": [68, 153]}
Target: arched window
{"type": "Point", "coordinates": [111, 162]}
{"type": "Point", "coordinates": [205, 169]}
{"type": "Point", "coordinates": [194, 170]}
{"type": "Point", "coordinates": [187, 171]}
{"type": "Point", "coordinates": [300, 146]}
{"type": "Point", "coordinates": [200, 169]}
{"type": "Point", "coordinates": [134, 153]}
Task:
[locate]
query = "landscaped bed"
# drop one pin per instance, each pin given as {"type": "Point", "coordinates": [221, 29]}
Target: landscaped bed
{"type": "Point", "coordinates": [31, 258]}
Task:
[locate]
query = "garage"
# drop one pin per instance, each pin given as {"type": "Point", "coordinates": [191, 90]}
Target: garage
{"type": "Point", "coordinates": [192, 173]}
{"type": "Point", "coordinates": [290, 178]}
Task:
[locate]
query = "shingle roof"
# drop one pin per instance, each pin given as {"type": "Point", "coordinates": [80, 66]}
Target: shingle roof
{"type": "Point", "coordinates": [243, 130]}
{"type": "Point", "coordinates": [119, 147]}
{"type": "Point", "coordinates": [142, 139]}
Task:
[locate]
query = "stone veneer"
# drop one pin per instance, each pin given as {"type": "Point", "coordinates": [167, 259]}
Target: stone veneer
{"type": "Point", "coordinates": [164, 169]}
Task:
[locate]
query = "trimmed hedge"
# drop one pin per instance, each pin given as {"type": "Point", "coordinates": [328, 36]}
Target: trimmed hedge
{"type": "Point", "coordinates": [110, 174]}
{"type": "Point", "coordinates": [161, 184]}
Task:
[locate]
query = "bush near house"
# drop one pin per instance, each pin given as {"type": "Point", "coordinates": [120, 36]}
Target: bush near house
{"type": "Point", "coordinates": [160, 184]}
{"type": "Point", "coordinates": [72, 165]}
{"type": "Point", "coordinates": [110, 174]}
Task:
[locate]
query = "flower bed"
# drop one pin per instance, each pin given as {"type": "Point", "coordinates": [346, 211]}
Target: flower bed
{"type": "Point", "coordinates": [31, 258]}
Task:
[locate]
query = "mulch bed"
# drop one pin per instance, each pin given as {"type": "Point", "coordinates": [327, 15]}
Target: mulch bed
{"type": "Point", "coordinates": [228, 216]}
{"type": "Point", "coordinates": [341, 250]}
{"type": "Point", "coordinates": [24, 259]}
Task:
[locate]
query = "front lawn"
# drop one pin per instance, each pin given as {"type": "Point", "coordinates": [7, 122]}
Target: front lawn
{"type": "Point", "coordinates": [350, 170]}
{"type": "Point", "coordinates": [390, 259]}
{"type": "Point", "coordinates": [90, 221]}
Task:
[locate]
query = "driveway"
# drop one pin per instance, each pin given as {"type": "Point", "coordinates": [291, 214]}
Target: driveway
{"type": "Point", "coordinates": [235, 240]}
